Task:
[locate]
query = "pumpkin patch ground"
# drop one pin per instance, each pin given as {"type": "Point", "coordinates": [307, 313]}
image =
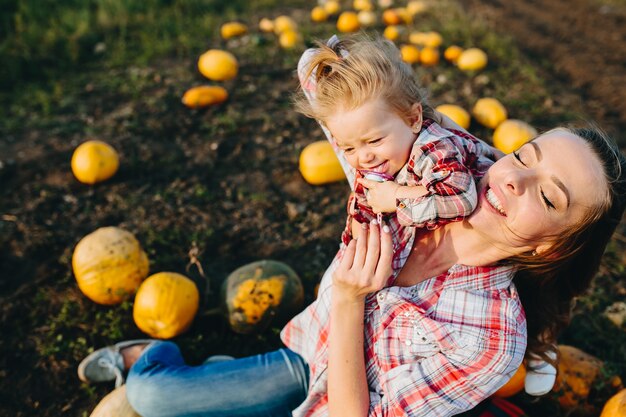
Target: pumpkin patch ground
{"type": "Point", "coordinates": [208, 190]}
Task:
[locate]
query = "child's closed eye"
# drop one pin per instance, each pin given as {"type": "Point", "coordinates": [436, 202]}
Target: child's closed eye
{"type": "Point", "coordinates": [374, 141]}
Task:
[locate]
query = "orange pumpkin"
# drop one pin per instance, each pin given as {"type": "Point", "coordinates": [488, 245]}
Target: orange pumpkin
{"type": "Point", "coordinates": [616, 406]}
{"type": "Point", "coordinates": [514, 385]}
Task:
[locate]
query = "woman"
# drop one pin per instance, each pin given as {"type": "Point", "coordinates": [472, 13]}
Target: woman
{"type": "Point", "coordinates": [446, 335]}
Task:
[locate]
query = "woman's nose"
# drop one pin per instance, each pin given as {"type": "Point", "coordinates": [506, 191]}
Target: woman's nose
{"type": "Point", "coordinates": [517, 181]}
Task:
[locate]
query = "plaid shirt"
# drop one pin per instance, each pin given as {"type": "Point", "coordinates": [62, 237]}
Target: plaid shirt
{"type": "Point", "coordinates": [433, 349]}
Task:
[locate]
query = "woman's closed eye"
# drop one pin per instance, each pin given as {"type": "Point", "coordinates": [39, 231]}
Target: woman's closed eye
{"type": "Point", "coordinates": [517, 156]}
{"type": "Point", "coordinates": [546, 201]}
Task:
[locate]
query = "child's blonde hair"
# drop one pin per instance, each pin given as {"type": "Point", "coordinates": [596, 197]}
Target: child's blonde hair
{"type": "Point", "coordinates": [356, 70]}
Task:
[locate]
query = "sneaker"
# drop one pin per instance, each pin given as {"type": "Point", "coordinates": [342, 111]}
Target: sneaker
{"type": "Point", "coordinates": [540, 376]}
{"type": "Point", "coordinates": [218, 358]}
{"type": "Point", "coordinates": [107, 363]}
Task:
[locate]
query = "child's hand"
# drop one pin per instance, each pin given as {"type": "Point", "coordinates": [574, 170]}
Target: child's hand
{"type": "Point", "coordinates": [381, 196]}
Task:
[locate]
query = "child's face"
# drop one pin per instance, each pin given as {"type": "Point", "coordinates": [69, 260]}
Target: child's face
{"type": "Point", "coordinates": [373, 137]}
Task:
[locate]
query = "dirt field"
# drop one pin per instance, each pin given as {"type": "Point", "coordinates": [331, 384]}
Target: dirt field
{"type": "Point", "coordinates": [580, 44]}
{"type": "Point", "coordinates": [223, 180]}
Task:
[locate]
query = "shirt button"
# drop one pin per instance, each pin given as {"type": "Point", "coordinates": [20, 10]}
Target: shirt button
{"type": "Point", "coordinates": [380, 296]}
{"type": "Point", "coordinates": [408, 342]}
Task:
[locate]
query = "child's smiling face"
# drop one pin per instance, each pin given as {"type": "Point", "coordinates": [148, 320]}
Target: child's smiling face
{"type": "Point", "coordinates": [373, 137]}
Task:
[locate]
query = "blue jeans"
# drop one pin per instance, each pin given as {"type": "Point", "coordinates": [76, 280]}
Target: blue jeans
{"type": "Point", "coordinates": [160, 384]}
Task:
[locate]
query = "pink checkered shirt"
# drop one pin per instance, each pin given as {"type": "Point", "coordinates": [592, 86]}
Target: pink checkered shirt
{"type": "Point", "coordinates": [433, 349]}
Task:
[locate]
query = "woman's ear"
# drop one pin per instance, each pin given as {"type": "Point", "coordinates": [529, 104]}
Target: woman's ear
{"type": "Point", "coordinates": [415, 119]}
{"type": "Point", "coordinates": [543, 248]}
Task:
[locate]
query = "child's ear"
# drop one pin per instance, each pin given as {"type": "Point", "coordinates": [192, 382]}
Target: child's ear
{"type": "Point", "coordinates": [415, 119]}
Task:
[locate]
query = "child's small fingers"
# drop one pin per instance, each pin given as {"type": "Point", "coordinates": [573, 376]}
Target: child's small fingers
{"type": "Point", "coordinates": [366, 183]}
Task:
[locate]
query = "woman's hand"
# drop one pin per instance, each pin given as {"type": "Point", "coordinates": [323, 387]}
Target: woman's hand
{"type": "Point", "coordinates": [366, 264]}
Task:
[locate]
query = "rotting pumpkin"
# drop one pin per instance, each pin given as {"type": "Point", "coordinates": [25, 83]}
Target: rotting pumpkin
{"type": "Point", "coordinates": [261, 293]}
{"type": "Point", "coordinates": [109, 265]}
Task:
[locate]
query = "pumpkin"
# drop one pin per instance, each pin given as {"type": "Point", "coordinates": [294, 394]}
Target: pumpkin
{"type": "Point", "coordinates": [363, 5]}
{"type": "Point", "coordinates": [616, 406]}
{"type": "Point", "coordinates": [410, 54]}
{"type": "Point", "coordinates": [165, 305]}
{"type": "Point", "coordinates": [218, 65]}
{"type": "Point", "coordinates": [429, 57]}
{"type": "Point", "coordinates": [233, 29]}
{"type": "Point", "coordinates": [416, 7]}
{"type": "Point", "coordinates": [289, 39]}
{"type": "Point", "coordinates": [94, 161]}
{"type": "Point", "coordinates": [392, 33]}
{"type": "Point", "coordinates": [284, 23]}
{"type": "Point", "coordinates": [511, 134]}
{"type": "Point", "coordinates": [114, 404]}
{"type": "Point", "coordinates": [367, 18]}
{"type": "Point", "coordinates": [332, 7]}
{"type": "Point", "coordinates": [319, 164]}
{"type": "Point", "coordinates": [405, 17]}
{"type": "Point", "coordinates": [266, 25]}
{"type": "Point", "coordinates": [348, 22]}
{"type": "Point", "coordinates": [259, 293]}
{"type": "Point", "coordinates": [109, 265]}
{"type": "Point", "coordinates": [578, 373]}
{"type": "Point", "coordinates": [318, 14]}
{"type": "Point", "coordinates": [383, 4]}
{"type": "Point", "coordinates": [489, 112]}
{"type": "Point", "coordinates": [514, 385]}
{"type": "Point", "coordinates": [391, 17]}
{"type": "Point", "coordinates": [472, 59]}
{"type": "Point", "coordinates": [452, 53]}
{"type": "Point", "coordinates": [456, 113]}
{"type": "Point", "coordinates": [203, 96]}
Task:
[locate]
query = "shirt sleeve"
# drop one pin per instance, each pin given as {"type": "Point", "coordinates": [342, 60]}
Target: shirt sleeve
{"type": "Point", "coordinates": [439, 167]}
{"type": "Point", "coordinates": [447, 383]}
{"type": "Point", "coordinates": [308, 86]}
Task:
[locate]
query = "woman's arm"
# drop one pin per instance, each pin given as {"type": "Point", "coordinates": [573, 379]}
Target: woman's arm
{"type": "Point", "coordinates": [364, 269]}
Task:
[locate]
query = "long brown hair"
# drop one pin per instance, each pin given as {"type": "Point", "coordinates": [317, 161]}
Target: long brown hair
{"type": "Point", "coordinates": [548, 283]}
{"type": "Point", "coordinates": [358, 69]}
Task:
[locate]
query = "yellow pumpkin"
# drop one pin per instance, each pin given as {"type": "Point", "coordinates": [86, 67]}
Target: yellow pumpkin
{"type": "Point", "coordinates": [114, 404]}
{"type": "Point", "coordinates": [578, 373]}
{"type": "Point", "coordinates": [430, 39]}
{"type": "Point", "coordinates": [392, 32]}
{"type": "Point", "coordinates": [204, 95]}
{"type": "Point", "coordinates": [332, 7]}
{"type": "Point", "coordinates": [283, 24]}
{"type": "Point", "coordinates": [109, 265]}
{"type": "Point", "coordinates": [318, 14]}
{"type": "Point", "coordinates": [489, 112]}
{"type": "Point", "coordinates": [405, 17]}
{"type": "Point", "coordinates": [514, 385]}
{"type": "Point", "coordinates": [410, 54]}
{"type": "Point", "coordinates": [319, 164]}
{"type": "Point", "coordinates": [289, 39]}
{"type": "Point", "coordinates": [363, 5]}
{"type": "Point", "coordinates": [472, 59]}
{"type": "Point", "coordinates": [233, 29]}
{"type": "Point", "coordinates": [260, 293]}
{"type": "Point", "coordinates": [266, 25]}
{"type": "Point", "coordinates": [429, 57]}
{"type": "Point", "coordinates": [166, 304]}
{"type": "Point", "coordinates": [218, 65]}
{"type": "Point", "coordinates": [511, 134]}
{"type": "Point", "coordinates": [616, 406]}
{"type": "Point", "coordinates": [452, 53]}
{"type": "Point", "coordinates": [391, 17]}
{"type": "Point", "coordinates": [416, 7]}
{"type": "Point", "coordinates": [367, 18]}
{"type": "Point", "coordinates": [348, 22]}
{"type": "Point", "coordinates": [94, 161]}
{"type": "Point", "coordinates": [458, 114]}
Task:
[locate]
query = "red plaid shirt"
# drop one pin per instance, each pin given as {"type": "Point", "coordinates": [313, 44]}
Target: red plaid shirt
{"type": "Point", "coordinates": [433, 349]}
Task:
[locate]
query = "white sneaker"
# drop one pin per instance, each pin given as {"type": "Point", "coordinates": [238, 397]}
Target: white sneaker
{"type": "Point", "coordinates": [540, 376]}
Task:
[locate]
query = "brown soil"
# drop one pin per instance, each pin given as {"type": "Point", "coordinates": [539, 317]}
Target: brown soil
{"type": "Point", "coordinates": [581, 44]}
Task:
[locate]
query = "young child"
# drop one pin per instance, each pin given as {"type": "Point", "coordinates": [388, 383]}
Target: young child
{"type": "Point", "coordinates": [401, 163]}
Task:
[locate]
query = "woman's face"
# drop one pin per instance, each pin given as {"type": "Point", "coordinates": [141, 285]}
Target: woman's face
{"type": "Point", "coordinates": [529, 197]}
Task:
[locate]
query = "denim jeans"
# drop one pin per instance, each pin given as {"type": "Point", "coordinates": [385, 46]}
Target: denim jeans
{"type": "Point", "coordinates": [160, 384]}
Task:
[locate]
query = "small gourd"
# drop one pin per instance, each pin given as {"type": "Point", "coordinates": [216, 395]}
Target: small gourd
{"type": "Point", "coordinates": [319, 164]}
{"type": "Point", "coordinates": [233, 29]}
{"type": "Point", "coordinates": [114, 404]}
{"type": "Point", "coordinates": [616, 406]}
{"type": "Point", "coordinates": [94, 161]}
{"type": "Point", "coordinates": [489, 112]}
{"type": "Point", "coordinates": [367, 18]}
{"type": "Point", "coordinates": [472, 59]}
{"type": "Point", "coordinates": [318, 14]}
{"type": "Point", "coordinates": [109, 265]}
{"type": "Point", "coordinates": [261, 293]}
{"type": "Point", "coordinates": [410, 54]}
{"type": "Point", "coordinates": [203, 96]}
{"type": "Point", "coordinates": [218, 65]}
{"type": "Point", "coordinates": [348, 22]}
{"type": "Point", "coordinates": [166, 304]}
{"type": "Point", "coordinates": [512, 134]}
{"type": "Point", "coordinates": [283, 24]}
{"type": "Point", "coordinates": [458, 114]}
